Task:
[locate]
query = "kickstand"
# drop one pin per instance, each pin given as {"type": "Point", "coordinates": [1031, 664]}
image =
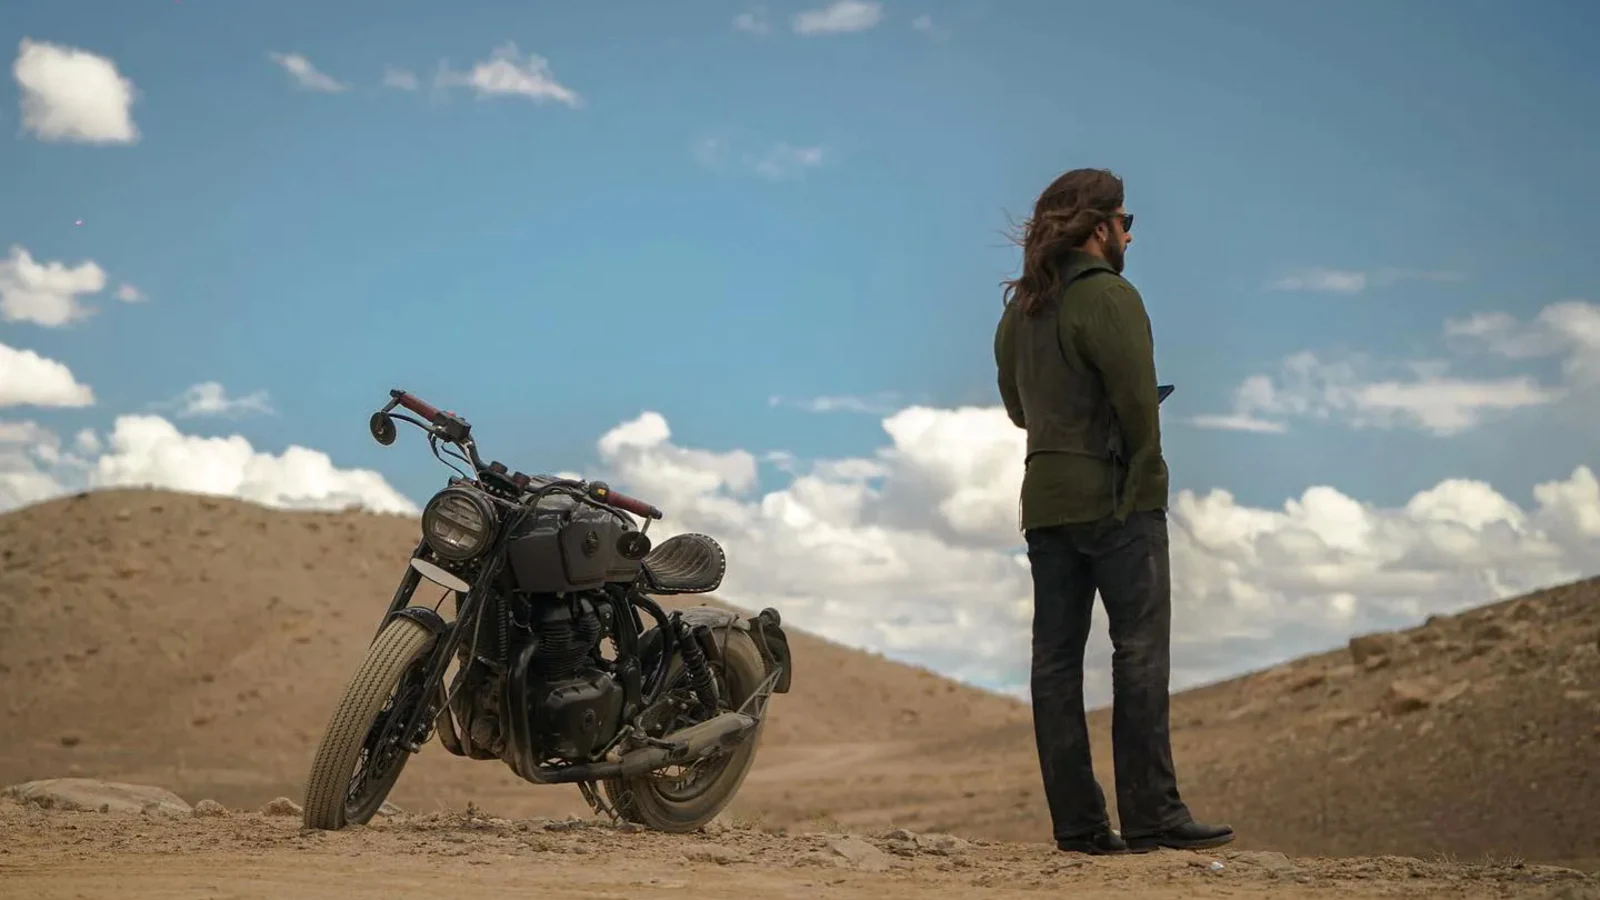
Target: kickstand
{"type": "Point", "coordinates": [597, 803]}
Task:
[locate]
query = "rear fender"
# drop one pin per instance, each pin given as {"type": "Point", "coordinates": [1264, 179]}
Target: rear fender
{"type": "Point", "coordinates": [763, 629]}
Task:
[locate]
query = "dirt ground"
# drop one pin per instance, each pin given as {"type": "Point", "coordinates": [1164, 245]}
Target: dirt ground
{"type": "Point", "coordinates": [199, 644]}
{"type": "Point", "coordinates": [87, 855]}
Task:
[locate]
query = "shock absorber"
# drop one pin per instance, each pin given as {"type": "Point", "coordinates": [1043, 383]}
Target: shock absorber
{"type": "Point", "coordinates": [696, 672]}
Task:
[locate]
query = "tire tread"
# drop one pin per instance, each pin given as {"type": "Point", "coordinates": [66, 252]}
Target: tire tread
{"type": "Point", "coordinates": [393, 651]}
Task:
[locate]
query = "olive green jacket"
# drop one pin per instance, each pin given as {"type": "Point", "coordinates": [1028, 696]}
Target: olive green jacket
{"type": "Point", "coordinates": [1104, 364]}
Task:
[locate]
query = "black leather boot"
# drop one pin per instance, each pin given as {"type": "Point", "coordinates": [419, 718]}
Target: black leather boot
{"type": "Point", "coordinates": [1098, 843]}
{"type": "Point", "coordinates": [1188, 836]}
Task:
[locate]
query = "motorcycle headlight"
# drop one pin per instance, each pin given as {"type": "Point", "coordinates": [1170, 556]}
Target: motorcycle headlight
{"type": "Point", "coordinates": [458, 523]}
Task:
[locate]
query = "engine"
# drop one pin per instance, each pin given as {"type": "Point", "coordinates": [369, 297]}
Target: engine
{"type": "Point", "coordinates": [575, 706]}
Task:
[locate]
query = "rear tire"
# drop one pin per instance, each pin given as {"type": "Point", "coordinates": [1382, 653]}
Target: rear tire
{"type": "Point", "coordinates": [641, 798]}
{"type": "Point", "coordinates": [401, 645]}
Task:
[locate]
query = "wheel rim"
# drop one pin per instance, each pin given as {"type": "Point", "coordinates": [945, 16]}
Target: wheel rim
{"type": "Point", "coordinates": [680, 785]}
{"type": "Point", "coordinates": [382, 756]}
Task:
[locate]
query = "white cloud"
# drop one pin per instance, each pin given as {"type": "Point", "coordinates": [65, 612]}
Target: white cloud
{"type": "Point", "coordinates": [26, 450]}
{"type": "Point", "coordinates": [877, 404]}
{"type": "Point", "coordinates": [838, 18]}
{"type": "Point", "coordinates": [913, 550]}
{"type": "Point", "coordinates": [211, 399]}
{"type": "Point", "coordinates": [1569, 329]}
{"type": "Point", "coordinates": [733, 150]}
{"type": "Point", "coordinates": [1349, 281]}
{"type": "Point", "coordinates": [46, 293]}
{"type": "Point", "coordinates": [754, 21]}
{"type": "Point", "coordinates": [1240, 421]}
{"type": "Point", "coordinates": [28, 379]}
{"type": "Point", "coordinates": [400, 79]}
{"type": "Point", "coordinates": [150, 451]}
{"type": "Point", "coordinates": [305, 74]}
{"type": "Point", "coordinates": [127, 293]}
{"type": "Point", "coordinates": [506, 73]}
{"type": "Point", "coordinates": [1425, 394]}
{"type": "Point", "coordinates": [68, 94]}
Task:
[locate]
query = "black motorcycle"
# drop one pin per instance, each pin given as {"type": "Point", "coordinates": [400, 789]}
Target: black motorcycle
{"type": "Point", "coordinates": [557, 675]}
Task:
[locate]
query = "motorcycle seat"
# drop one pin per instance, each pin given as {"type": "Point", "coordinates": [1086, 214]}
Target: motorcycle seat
{"type": "Point", "coordinates": [684, 564]}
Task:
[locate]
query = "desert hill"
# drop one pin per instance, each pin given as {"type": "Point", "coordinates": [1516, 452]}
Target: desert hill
{"type": "Point", "coordinates": [198, 643]}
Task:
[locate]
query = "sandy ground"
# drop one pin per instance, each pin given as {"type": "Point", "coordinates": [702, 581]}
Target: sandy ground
{"type": "Point", "coordinates": [60, 855]}
{"type": "Point", "coordinates": [198, 644]}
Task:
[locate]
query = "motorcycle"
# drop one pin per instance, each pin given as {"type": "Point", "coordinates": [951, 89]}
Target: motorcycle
{"type": "Point", "coordinates": [557, 676]}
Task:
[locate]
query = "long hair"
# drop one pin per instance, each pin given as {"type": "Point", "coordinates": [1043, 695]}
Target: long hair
{"type": "Point", "coordinates": [1064, 216]}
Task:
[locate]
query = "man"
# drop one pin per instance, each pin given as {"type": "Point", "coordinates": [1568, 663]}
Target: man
{"type": "Point", "coordinates": [1077, 371]}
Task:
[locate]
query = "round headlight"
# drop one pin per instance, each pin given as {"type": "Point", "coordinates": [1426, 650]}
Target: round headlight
{"type": "Point", "coordinates": [458, 523]}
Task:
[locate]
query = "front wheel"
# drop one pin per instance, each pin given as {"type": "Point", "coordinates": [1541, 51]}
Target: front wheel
{"type": "Point", "coordinates": [684, 801]}
{"type": "Point", "coordinates": [361, 753]}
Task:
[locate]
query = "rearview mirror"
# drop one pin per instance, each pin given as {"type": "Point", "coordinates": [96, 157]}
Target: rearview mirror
{"type": "Point", "coordinates": [382, 428]}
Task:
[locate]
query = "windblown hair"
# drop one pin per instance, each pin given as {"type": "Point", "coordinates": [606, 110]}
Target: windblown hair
{"type": "Point", "coordinates": [1064, 217]}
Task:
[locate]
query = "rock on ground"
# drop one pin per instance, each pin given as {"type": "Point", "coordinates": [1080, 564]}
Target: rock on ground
{"type": "Point", "coordinates": [281, 806]}
{"type": "Point", "coordinates": [95, 795]}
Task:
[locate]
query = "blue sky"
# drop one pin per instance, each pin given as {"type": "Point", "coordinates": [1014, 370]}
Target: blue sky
{"type": "Point", "coordinates": [551, 269]}
{"type": "Point", "coordinates": [1365, 236]}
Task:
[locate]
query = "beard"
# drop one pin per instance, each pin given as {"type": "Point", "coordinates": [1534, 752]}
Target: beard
{"type": "Point", "coordinates": [1115, 255]}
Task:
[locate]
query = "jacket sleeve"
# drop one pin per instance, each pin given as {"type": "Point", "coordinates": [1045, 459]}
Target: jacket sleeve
{"type": "Point", "coordinates": [1115, 339]}
{"type": "Point", "coordinates": [1005, 358]}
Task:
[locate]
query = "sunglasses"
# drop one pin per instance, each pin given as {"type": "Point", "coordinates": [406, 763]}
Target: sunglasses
{"type": "Point", "coordinates": [1127, 221]}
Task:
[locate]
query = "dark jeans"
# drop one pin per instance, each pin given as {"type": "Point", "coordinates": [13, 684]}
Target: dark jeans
{"type": "Point", "coordinates": [1127, 562]}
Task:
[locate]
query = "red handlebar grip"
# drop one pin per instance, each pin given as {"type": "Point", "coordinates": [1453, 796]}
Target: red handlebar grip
{"type": "Point", "coordinates": [599, 490]}
{"type": "Point", "coordinates": [637, 507]}
{"type": "Point", "coordinates": [417, 405]}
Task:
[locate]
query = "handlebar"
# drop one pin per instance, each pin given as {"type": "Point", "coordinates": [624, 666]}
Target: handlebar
{"type": "Point", "coordinates": [415, 404]}
{"type": "Point", "coordinates": [602, 492]}
{"type": "Point", "coordinates": [455, 429]}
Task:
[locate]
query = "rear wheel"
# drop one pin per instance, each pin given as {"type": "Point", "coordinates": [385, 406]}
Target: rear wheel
{"type": "Point", "coordinates": [683, 798]}
{"type": "Point", "coordinates": [361, 753]}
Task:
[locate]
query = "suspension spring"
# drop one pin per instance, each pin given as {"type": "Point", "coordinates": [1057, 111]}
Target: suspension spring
{"type": "Point", "coordinates": [696, 672]}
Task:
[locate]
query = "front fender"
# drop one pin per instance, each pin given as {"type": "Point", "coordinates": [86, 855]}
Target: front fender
{"type": "Point", "coordinates": [423, 616]}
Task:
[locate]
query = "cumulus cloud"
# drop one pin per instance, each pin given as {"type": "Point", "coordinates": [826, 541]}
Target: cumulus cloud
{"type": "Point", "coordinates": [27, 449]}
{"type": "Point", "coordinates": [149, 451]}
{"type": "Point", "coordinates": [28, 379]}
{"type": "Point", "coordinates": [127, 293]}
{"type": "Point", "coordinates": [1424, 394]}
{"type": "Point", "coordinates": [1353, 281]}
{"type": "Point", "coordinates": [507, 73]}
{"type": "Point", "coordinates": [733, 150]}
{"type": "Point", "coordinates": [840, 17]}
{"type": "Point", "coordinates": [305, 75]}
{"type": "Point", "coordinates": [46, 294]}
{"type": "Point", "coordinates": [68, 94]}
{"type": "Point", "coordinates": [210, 398]}
{"type": "Point", "coordinates": [913, 550]}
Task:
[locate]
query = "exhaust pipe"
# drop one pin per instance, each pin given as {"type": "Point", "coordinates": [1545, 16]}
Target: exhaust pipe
{"type": "Point", "coordinates": [693, 743]}
{"type": "Point", "coordinates": [696, 742]}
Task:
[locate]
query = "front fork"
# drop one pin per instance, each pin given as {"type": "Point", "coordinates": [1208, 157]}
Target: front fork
{"type": "Point", "coordinates": [419, 722]}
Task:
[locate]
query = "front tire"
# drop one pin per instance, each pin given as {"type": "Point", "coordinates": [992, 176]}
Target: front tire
{"type": "Point", "coordinates": [363, 722]}
{"type": "Point", "coordinates": [645, 800]}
